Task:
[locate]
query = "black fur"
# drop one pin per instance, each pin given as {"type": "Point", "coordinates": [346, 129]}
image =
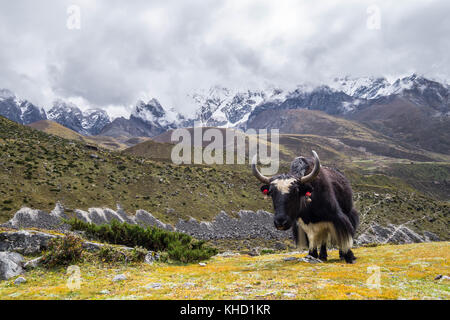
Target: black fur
{"type": "Point", "coordinates": [323, 252]}
{"type": "Point", "coordinates": [331, 196]}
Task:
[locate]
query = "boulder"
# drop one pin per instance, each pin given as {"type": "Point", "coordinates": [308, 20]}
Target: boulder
{"type": "Point", "coordinates": [33, 263]}
{"type": "Point", "coordinates": [120, 277]}
{"type": "Point", "coordinates": [30, 218]}
{"type": "Point", "coordinates": [376, 233]}
{"type": "Point", "coordinates": [27, 242]}
{"type": "Point", "coordinates": [151, 257]}
{"type": "Point", "coordinates": [10, 265]}
{"type": "Point", "coordinates": [20, 280]}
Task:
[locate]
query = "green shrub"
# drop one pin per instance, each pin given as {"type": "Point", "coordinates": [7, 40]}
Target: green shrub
{"type": "Point", "coordinates": [267, 251]}
{"type": "Point", "coordinates": [63, 251]}
{"type": "Point", "coordinates": [111, 254]}
{"type": "Point", "coordinates": [137, 254]}
{"type": "Point", "coordinates": [177, 245]}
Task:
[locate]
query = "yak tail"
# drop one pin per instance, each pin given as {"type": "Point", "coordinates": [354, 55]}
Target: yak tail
{"type": "Point", "coordinates": [354, 218]}
{"type": "Point", "coordinates": [344, 228]}
{"type": "Point", "coordinates": [300, 237]}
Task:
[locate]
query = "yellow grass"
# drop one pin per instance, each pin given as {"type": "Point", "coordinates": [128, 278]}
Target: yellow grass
{"type": "Point", "coordinates": [406, 272]}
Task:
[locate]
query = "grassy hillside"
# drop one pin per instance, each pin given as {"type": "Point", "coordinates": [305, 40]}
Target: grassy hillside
{"type": "Point", "coordinates": [56, 129]}
{"type": "Point", "coordinates": [405, 272]}
{"type": "Point", "coordinates": [350, 133]}
{"type": "Point", "coordinates": [38, 169]}
{"type": "Point", "coordinates": [406, 121]}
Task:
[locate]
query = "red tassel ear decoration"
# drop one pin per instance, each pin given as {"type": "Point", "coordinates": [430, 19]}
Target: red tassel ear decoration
{"type": "Point", "coordinates": [308, 197]}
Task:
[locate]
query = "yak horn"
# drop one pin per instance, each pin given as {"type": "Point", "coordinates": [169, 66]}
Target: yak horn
{"type": "Point", "coordinates": [256, 172]}
{"type": "Point", "coordinates": [315, 171]}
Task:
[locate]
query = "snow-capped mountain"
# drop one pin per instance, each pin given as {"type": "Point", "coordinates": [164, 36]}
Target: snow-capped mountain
{"type": "Point", "coordinates": [347, 97]}
{"type": "Point", "coordinates": [222, 107]}
{"type": "Point", "coordinates": [19, 110]}
{"type": "Point", "coordinates": [146, 120]}
{"type": "Point", "coordinates": [94, 120]}
{"type": "Point", "coordinates": [153, 113]}
{"type": "Point", "coordinates": [90, 122]}
{"type": "Point", "coordinates": [343, 97]}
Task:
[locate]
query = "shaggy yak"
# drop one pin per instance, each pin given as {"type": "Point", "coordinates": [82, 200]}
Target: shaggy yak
{"type": "Point", "coordinates": [316, 202]}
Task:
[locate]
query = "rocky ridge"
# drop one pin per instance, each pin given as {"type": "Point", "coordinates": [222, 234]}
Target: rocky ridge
{"type": "Point", "coordinates": [248, 225]}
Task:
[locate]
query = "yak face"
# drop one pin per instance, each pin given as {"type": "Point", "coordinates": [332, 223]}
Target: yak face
{"type": "Point", "coordinates": [284, 191]}
{"type": "Point", "coordinates": [288, 190]}
{"type": "Point", "coordinates": [287, 194]}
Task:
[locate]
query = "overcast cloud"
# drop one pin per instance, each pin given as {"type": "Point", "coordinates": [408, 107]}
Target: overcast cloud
{"type": "Point", "coordinates": [126, 50]}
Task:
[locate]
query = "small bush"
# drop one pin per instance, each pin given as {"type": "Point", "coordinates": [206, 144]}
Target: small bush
{"type": "Point", "coordinates": [179, 246]}
{"type": "Point", "coordinates": [267, 251]}
{"type": "Point", "coordinates": [137, 254]}
{"type": "Point", "coordinates": [63, 251]}
{"type": "Point", "coordinates": [110, 254]}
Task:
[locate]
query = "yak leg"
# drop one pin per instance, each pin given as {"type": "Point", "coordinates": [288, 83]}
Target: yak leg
{"type": "Point", "coordinates": [313, 253]}
{"type": "Point", "coordinates": [312, 246]}
{"type": "Point", "coordinates": [349, 256]}
{"type": "Point", "coordinates": [323, 252]}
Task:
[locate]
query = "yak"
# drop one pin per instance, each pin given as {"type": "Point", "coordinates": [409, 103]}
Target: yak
{"type": "Point", "coordinates": [316, 202]}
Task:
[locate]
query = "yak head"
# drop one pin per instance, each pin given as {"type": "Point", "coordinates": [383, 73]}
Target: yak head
{"type": "Point", "coordinates": [289, 190]}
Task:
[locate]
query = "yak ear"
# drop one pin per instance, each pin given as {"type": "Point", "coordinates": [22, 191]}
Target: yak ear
{"type": "Point", "coordinates": [265, 189]}
{"type": "Point", "coordinates": [303, 188]}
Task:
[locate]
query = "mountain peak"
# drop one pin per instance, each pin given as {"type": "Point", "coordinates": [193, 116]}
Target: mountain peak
{"type": "Point", "coordinates": [89, 122]}
{"type": "Point", "coordinates": [6, 94]}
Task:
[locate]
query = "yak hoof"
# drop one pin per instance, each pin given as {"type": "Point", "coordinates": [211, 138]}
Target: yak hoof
{"type": "Point", "coordinates": [349, 257]}
{"type": "Point", "coordinates": [323, 257]}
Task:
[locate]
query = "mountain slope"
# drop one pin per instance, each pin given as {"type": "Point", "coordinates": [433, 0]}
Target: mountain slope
{"type": "Point", "coordinates": [423, 104]}
{"type": "Point", "coordinates": [350, 133]}
{"type": "Point", "coordinates": [56, 129]}
{"type": "Point", "coordinates": [408, 122]}
{"type": "Point", "coordinates": [38, 169]}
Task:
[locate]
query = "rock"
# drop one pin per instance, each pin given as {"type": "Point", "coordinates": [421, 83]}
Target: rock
{"type": "Point", "coordinates": [310, 259]}
{"type": "Point", "coordinates": [145, 219]}
{"type": "Point", "coordinates": [119, 277]}
{"type": "Point", "coordinates": [280, 246]}
{"type": "Point", "coordinates": [188, 284]}
{"type": "Point", "coordinates": [376, 233]}
{"type": "Point", "coordinates": [10, 265]}
{"type": "Point", "coordinates": [290, 259]}
{"type": "Point", "coordinates": [289, 295]}
{"type": "Point", "coordinates": [92, 246]}
{"type": "Point", "coordinates": [256, 251]}
{"type": "Point", "coordinates": [151, 257]}
{"type": "Point", "coordinates": [20, 280]}
{"type": "Point", "coordinates": [228, 254]}
{"type": "Point", "coordinates": [33, 263]}
{"type": "Point", "coordinates": [32, 242]}
{"type": "Point", "coordinates": [248, 225]}
{"type": "Point", "coordinates": [30, 218]}
{"type": "Point", "coordinates": [154, 285]}
{"type": "Point", "coordinates": [25, 241]}
{"type": "Point", "coordinates": [430, 236]}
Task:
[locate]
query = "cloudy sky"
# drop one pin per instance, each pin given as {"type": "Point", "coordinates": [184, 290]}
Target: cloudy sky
{"type": "Point", "coordinates": [126, 50]}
